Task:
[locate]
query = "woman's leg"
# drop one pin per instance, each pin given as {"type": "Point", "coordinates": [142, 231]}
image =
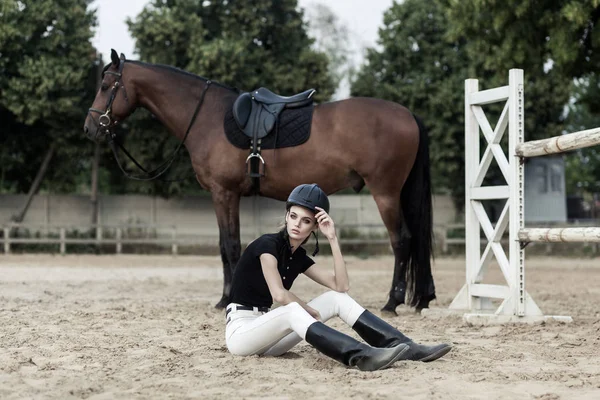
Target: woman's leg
{"type": "Point", "coordinates": [379, 333]}
{"type": "Point", "coordinates": [254, 337]}
{"type": "Point", "coordinates": [371, 328]}
{"type": "Point", "coordinates": [247, 337]}
{"type": "Point", "coordinates": [329, 304]}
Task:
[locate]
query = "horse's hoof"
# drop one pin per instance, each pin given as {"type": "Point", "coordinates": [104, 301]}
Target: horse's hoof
{"type": "Point", "coordinates": [390, 307]}
{"type": "Point", "coordinates": [424, 303]}
{"type": "Point", "coordinates": [222, 303]}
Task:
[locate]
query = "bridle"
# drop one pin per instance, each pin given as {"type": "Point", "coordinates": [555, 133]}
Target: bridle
{"type": "Point", "coordinates": [106, 124]}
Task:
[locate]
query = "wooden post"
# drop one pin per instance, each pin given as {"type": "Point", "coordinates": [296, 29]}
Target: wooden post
{"type": "Point", "coordinates": [595, 204]}
{"type": "Point", "coordinates": [63, 245]}
{"type": "Point", "coordinates": [445, 239]}
{"type": "Point", "coordinates": [35, 185]}
{"type": "Point", "coordinates": [174, 241]}
{"type": "Point", "coordinates": [6, 240]}
{"type": "Point", "coordinates": [118, 237]}
{"type": "Point", "coordinates": [94, 194]}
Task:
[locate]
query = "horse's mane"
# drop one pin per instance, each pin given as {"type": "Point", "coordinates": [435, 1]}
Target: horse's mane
{"type": "Point", "coordinates": [182, 72]}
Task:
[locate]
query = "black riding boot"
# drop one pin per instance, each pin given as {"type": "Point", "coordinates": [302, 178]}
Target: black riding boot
{"type": "Point", "coordinates": [351, 352]}
{"type": "Point", "coordinates": [379, 333]}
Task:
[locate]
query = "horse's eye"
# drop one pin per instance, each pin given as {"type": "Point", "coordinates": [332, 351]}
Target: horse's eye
{"type": "Point", "coordinates": [104, 87]}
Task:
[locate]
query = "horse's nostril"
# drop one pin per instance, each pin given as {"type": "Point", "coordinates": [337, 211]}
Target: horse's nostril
{"type": "Point", "coordinates": [85, 129]}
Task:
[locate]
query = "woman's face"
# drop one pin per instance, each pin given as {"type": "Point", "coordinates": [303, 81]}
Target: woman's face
{"type": "Point", "coordinates": [300, 222]}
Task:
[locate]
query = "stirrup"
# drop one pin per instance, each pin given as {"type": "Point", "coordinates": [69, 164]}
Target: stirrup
{"type": "Point", "coordinates": [261, 167]}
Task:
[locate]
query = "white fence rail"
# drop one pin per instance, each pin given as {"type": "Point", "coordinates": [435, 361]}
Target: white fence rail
{"type": "Point", "coordinates": [559, 144]}
{"type": "Point", "coordinates": [146, 234]}
{"type": "Point", "coordinates": [560, 235]}
{"type": "Point", "coordinates": [448, 237]}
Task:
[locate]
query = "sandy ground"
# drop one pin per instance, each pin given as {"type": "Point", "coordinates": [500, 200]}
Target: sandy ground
{"type": "Point", "coordinates": [132, 327]}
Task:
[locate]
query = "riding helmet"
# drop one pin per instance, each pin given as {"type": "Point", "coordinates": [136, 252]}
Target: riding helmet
{"type": "Point", "coordinates": [308, 196]}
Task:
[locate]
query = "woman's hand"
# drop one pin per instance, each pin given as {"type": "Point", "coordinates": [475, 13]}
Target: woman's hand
{"type": "Point", "coordinates": [325, 222]}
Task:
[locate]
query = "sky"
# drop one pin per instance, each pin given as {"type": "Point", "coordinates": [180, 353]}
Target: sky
{"type": "Point", "coordinates": [362, 17]}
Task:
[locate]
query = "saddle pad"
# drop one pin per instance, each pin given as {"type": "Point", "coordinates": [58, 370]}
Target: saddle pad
{"type": "Point", "coordinates": [292, 129]}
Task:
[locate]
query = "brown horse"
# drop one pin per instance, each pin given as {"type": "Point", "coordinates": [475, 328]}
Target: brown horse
{"type": "Point", "coordinates": [352, 142]}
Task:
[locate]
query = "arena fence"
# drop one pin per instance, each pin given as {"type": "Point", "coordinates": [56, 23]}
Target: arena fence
{"type": "Point", "coordinates": [149, 234]}
{"type": "Point", "coordinates": [449, 238]}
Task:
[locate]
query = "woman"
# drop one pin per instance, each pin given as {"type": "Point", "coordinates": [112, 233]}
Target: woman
{"type": "Point", "coordinates": [265, 273]}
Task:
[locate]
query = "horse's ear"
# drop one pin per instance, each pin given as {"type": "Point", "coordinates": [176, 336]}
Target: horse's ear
{"type": "Point", "coordinates": [122, 56]}
{"type": "Point", "coordinates": [114, 57]}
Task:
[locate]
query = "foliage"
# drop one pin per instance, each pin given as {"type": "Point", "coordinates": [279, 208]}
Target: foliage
{"type": "Point", "coordinates": [46, 84]}
{"type": "Point", "coordinates": [583, 166]}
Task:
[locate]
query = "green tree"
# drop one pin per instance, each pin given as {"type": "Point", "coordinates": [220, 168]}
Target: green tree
{"type": "Point", "coordinates": [422, 70]}
{"type": "Point", "coordinates": [583, 166]}
{"type": "Point", "coordinates": [46, 62]}
{"type": "Point", "coordinates": [555, 42]}
{"type": "Point", "coordinates": [529, 33]}
{"type": "Point", "coordinates": [244, 44]}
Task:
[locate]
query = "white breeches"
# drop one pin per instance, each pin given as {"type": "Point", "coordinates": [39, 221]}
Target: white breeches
{"type": "Point", "coordinates": [277, 331]}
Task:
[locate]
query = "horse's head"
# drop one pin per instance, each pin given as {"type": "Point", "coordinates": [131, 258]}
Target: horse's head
{"type": "Point", "coordinates": [111, 103]}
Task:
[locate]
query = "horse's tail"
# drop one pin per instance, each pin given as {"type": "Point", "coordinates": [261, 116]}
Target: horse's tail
{"type": "Point", "coordinates": [417, 210]}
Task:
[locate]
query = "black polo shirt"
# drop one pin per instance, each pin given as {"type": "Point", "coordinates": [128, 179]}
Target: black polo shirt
{"type": "Point", "coordinates": [249, 286]}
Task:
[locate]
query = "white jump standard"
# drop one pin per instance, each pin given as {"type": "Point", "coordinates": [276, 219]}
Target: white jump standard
{"type": "Point", "coordinates": [474, 299]}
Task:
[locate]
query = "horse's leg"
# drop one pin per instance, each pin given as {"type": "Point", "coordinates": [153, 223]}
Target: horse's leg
{"type": "Point", "coordinates": [398, 290]}
{"type": "Point", "coordinates": [414, 247]}
{"type": "Point", "coordinates": [227, 208]}
{"type": "Point", "coordinates": [391, 214]}
{"type": "Point", "coordinates": [401, 256]}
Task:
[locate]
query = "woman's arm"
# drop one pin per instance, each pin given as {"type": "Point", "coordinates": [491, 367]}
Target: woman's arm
{"type": "Point", "coordinates": [339, 280]}
{"type": "Point", "coordinates": [280, 294]}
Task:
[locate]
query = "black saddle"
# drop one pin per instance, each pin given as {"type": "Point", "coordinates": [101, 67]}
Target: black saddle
{"type": "Point", "coordinates": [257, 112]}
